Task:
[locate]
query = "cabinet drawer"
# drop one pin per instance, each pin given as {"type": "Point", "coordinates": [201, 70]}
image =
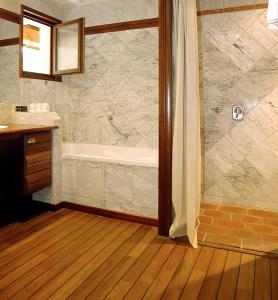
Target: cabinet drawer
{"type": "Point", "coordinates": [38, 176]}
{"type": "Point", "coordinates": [37, 186]}
{"type": "Point", "coordinates": [37, 142]}
{"type": "Point", "coordinates": [37, 181]}
{"type": "Point", "coordinates": [39, 157]}
{"type": "Point", "coordinates": [36, 167]}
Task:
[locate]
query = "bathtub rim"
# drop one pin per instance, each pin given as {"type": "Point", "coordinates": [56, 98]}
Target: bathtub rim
{"type": "Point", "coordinates": [106, 159]}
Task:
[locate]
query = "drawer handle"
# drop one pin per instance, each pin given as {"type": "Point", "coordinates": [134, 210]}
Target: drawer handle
{"type": "Point", "coordinates": [31, 140]}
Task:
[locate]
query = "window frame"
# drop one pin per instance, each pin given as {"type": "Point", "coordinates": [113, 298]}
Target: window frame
{"type": "Point", "coordinates": [81, 28]}
{"type": "Point", "coordinates": [34, 15]}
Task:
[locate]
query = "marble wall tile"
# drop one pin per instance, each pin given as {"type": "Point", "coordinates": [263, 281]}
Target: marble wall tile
{"type": "Point", "coordinates": [225, 155]}
{"type": "Point", "coordinates": [259, 31]}
{"type": "Point", "coordinates": [90, 180]}
{"type": "Point", "coordinates": [69, 176]}
{"type": "Point", "coordinates": [12, 5]}
{"type": "Point", "coordinates": [112, 11]}
{"type": "Point", "coordinates": [232, 3]}
{"type": "Point", "coordinates": [9, 80]}
{"type": "Point", "coordinates": [152, 9]}
{"type": "Point", "coordinates": [8, 29]}
{"type": "Point", "coordinates": [145, 187]}
{"type": "Point", "coordinates": [209, 4]}
{"type": "Point", "coordinates": [117, 183]}
{"type": "Point", "coordinates": [5, 113]}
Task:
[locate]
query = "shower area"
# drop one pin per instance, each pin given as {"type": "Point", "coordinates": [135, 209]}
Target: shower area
{"type": "Point", "coordinates": [239, 67]}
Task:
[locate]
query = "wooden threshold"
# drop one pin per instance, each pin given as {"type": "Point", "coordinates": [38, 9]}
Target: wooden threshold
{"type": "Point", "coordinates": [9, 42]}
{"type": "Point", "coordinates": [139, 24]}
{"type": "Point", "coordinates": [232, 9]}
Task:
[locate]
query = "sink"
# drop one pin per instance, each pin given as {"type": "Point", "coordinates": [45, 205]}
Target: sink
{"type": "Point", "coordinates": [3, 126]}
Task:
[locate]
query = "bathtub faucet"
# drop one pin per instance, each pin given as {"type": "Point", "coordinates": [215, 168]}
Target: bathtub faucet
{"type": "Point", "coordinates": [111, 121]}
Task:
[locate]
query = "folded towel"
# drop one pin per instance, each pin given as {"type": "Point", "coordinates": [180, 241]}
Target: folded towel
{"type": "Point", "coordinates": [272, 14]}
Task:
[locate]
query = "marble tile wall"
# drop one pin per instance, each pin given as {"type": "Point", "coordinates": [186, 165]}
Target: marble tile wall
{"type": "Point", "coordinates": [11, 5]}
{"type": "Point", "coordinates": [121, 79]}
{"type": "Point", "coordinates": [128, 189]}
{"type": "Point", "coordinates": [218, 4]}
{"type": "Point", "coordinates": [111, 11]}
{"type": "Point", "coordinates": [9, 80]}
{"type": "Point", "coordinates": [5, 113]}
{"type": "Point", "coordinates": [239, 65]}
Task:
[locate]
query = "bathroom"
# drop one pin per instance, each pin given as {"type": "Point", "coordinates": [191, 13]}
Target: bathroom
{"type": "Point", "coordinates": [123, 149]}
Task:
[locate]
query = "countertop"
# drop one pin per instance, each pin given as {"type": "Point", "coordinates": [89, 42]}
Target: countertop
{"type": "Point", "coordinates": [20, 128]}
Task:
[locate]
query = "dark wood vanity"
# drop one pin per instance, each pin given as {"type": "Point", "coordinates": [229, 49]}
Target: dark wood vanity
{"type": "Point", "coordinates": [25, 165]}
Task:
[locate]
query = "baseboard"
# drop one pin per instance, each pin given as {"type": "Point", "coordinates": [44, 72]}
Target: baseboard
{"type": "Point", "coordinates": [110, 214]}
{"type": "Point", "coordinates": [98, 212]}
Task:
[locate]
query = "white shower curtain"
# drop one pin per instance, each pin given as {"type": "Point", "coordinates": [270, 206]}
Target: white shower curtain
{"type": "Point", "coordinates": [186, 181]}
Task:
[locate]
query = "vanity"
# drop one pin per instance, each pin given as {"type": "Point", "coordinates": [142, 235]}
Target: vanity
{"type": "Point", "coordinates": [25, 166]}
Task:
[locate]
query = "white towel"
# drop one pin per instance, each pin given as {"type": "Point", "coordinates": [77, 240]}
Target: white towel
{"type": "Point", "coordinates": [272, 14]}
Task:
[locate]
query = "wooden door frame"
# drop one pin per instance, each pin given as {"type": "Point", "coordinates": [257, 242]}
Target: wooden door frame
{"type": "Point", "coordinates": [165, 117]}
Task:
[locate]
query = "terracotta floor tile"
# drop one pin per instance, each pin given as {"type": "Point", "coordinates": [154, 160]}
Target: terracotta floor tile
{"type": "Point", "coordinates": [217, 214]}
{"type": "Point", "coordinates": [209, 205]}
{"type": "Point", "coordinates": [248, 228]}
{"type": "Point", "coordinates": [234, 209]}
{"type": "Point", "coordinates": [247, 219]}
{"type": "Point", "coordinates": [262, 213]}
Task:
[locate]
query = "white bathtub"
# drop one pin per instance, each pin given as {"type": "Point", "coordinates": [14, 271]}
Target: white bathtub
{"type": "Point", "coordinates": [112, 154]}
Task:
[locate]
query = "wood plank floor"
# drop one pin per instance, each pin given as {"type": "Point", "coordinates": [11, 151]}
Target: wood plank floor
{"type": "Point", "coordinates": [73, 255]}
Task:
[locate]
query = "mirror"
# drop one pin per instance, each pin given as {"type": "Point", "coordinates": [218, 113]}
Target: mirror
{"type": "Point", "coordinates": [9, 80]}
{"type": "Point", "coordinates": [68, 47]}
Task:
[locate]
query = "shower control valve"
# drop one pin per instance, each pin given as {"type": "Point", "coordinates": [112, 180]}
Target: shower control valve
{"type": "Point", "coordinates": [238, 112]}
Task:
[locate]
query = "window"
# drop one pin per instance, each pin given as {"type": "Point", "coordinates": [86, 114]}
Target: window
{"type": "Point", "coordinates": [48, 47]}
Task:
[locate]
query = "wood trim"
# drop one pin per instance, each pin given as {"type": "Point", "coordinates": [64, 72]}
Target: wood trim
{"type": "Point", "coordinates": [232, 9]}
{"type": "Point", "coordinates": [44, 19]}
{"type": "Point", "coordinates": [146, 23]}
{"type": "Point", "coordinates": [9, 42]}
{"type": "Point", "coordinates": [39, 76]}
{"type": "Point", "coordinates": [103, 213]}
{"type": "Point", "coordinates": [9, 16]}
{"type": "Point", "coordinates": [165, 117]}
{"type": "Point", "coordinates": [38, 16]}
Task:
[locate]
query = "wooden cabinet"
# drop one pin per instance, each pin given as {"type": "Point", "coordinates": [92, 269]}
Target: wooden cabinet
{"type": "Point", "coordinates": [37, 161]}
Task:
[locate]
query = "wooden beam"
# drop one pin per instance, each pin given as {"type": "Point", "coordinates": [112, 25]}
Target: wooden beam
{"type": "Point", "coordinates": [165, 117]}
{"type": "Point", "coordinates": [232, 9]}
{"type": "Point", "coordinates": [9, 16]}
{"type": "Point", "coordinates": [9, 42]}
{"type": "Point", "coordinates": [122, 26]}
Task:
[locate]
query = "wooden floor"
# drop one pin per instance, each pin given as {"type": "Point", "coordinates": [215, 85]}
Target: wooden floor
{"type": "Point", "coordinates": [72, 255]}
